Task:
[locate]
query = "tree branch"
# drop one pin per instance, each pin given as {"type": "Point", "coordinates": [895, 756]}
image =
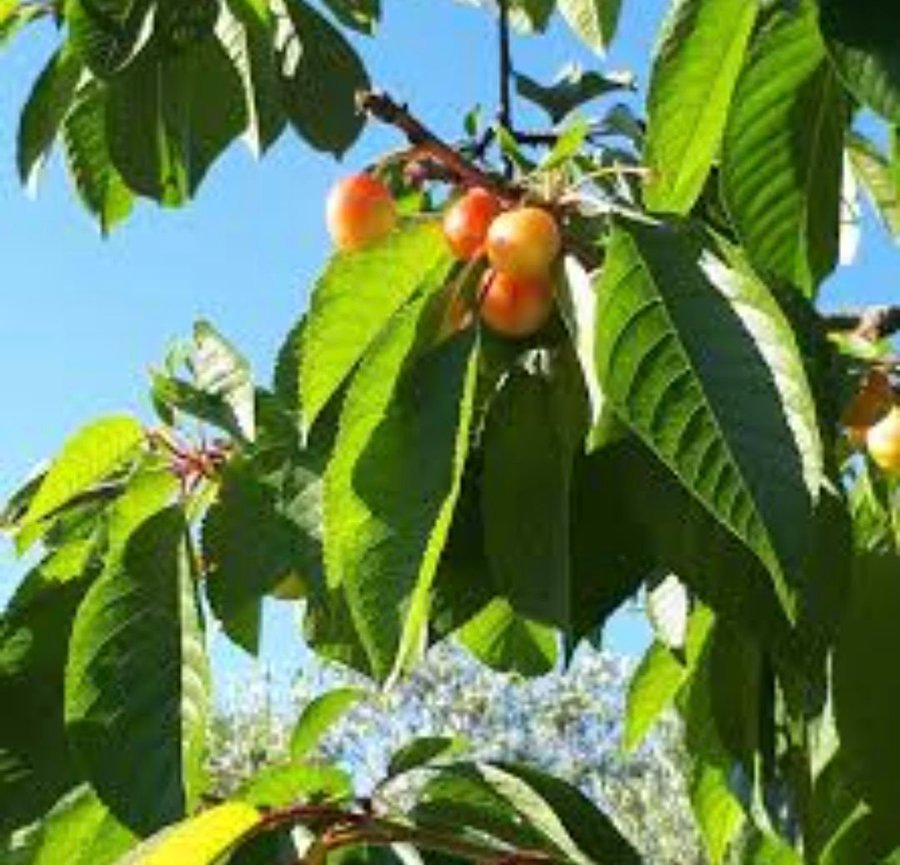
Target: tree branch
{"type": "Point", "coordinates": [506, 71]}
{"type": "Point", "coordinates": [382, 107]}
{"type": "Point", "coordinates": [874, 322]}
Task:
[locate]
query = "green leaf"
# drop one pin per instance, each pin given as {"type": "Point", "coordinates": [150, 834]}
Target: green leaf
{"type": "Point", "coordinates": [264, 527]}
{"type": "Point", "coordinates": [318, 67]}
{"type": "Point", "coordinates": [654, 686]}
{"type": "Point", "coordinates": [35, 764]}
{"type": "Point", "coordinates": [593, 21]}
{"type": "Point", "coordinates": [564, 815]}
{"type": "Point", "coordinates": [107, 34]}
{"type": "Point", "coordinates": [136, 683]}
{"type": "Point", "coordinates": [223, 372]}
{"type": "Point", "coordinates": [44, 112]}
{"type": "Point", "coordinates": [97, 180]}
{"type": "Point", "coordinates": [393, 481]}
{"type": "Point", "coordinates": [87, 458]}
{"type": "Point", "coordinates": [361, 15]}
{"type": "Point", "coordinates": [353, 301]}
{"type": "Point", "coordinates": [694, 76]}
{"type": "Point", "coordinates": [782, 157]}
{"type": "Point", "coordinates": [200, 840]}
{"type": "Point", "coordinates": [319, 716]}
{"type": "Point", "coordinates": [534, 429]}
{"type": "Point", "coordinates": [282, 786]}
{"type": "Point", "coordinates": [864, 42]}
{"type": "Point", "coordinates": [508, 642]}
{"type": "Point", "coordinates": [699, 361]}
{"type": "Point", "coordinates": [247, 30]}
{"type": "Point", "coordinates": [422, 751]}
{"type": "Point", "coordinates": [78, 830]}
{"type": "Point", "coordinates": [867, 701]}
{"type": "Point", "coordinates": [879, 178]}
{"type": "Point", "coordinates": [570, 89]}
{"type": "Point", "coordinates": [169, 116]}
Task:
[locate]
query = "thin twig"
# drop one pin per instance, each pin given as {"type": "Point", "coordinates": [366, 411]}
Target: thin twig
{"type": "Point", "coordinates": [382, 107]}
{"type": "Point", "coordinates": [506, 72]}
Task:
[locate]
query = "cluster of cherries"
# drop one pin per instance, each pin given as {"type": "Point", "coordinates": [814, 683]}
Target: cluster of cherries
{"type": "Point", "coordinates": [521, 244]}
{"type": "Point", "coordinates": [872, 421]}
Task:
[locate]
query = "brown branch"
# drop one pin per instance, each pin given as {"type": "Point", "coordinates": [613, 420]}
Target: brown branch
{"type": "Point", "coordinates": [382, 107]}
{"type": "Point", "coordinates": [873, 323]}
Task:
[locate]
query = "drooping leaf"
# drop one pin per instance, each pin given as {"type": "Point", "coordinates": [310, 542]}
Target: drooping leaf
{"type": "Point", "coordinates": [97, 180]}
{"type": "Point", "coordinates": [88, 457]}
{"type": "Point", "coordinates": [393, 481]}
{"type": "Point", "coordinates": [593, 21]}
{"type": "Point", "coordinates": [879, 179]}
{"type": "Point", "coordinates": [537, 421]}
{"type": "Point", "coordinates": [319, 716]}
{"type": "Point", "coordinates": [353, 301]}
{"type": "Point", "coordinates": [864, 42]}
{"type": "Point", "coordinates": [508, 642]}
{"type": "Point", "coordinates": [78, 830]}
{"type": "Point", "coordinates": [169, 116]}
{"type": "Point", "coordinates": [36, 767]}
{"type": "Point", "coordinates": [782, 157]}
{"type": "Point", "coordinates": [44, 112]}
{"type": "Point", "coordinates": [698, 360]}
{"type": "Point", "coordinates": [247, 30]}
{"type": "Point", "coordinates": [318, 67]}
{"type": "Point", "coordinates": [693, 80]}
{"type": "Point", "coordinates": [136, 681]}
{"type": "Point", "coordinates": [866, 700]}
{"type": "Point", "coordinates": [200, 840]}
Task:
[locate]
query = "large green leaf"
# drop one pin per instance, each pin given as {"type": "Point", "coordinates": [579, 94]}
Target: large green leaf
{"type": "Point", "coordinates": [89, 456]}
{"type": "Point", "coordinates": [864, 41]}
{"type": "Point", "coordinates": [867, 701]}
{"type": "Point", "coordinates": [319, 716]}
{"type": "Point", "coordinates": [879, 178]}
{"type": "Point", "coordinates": [170, 115]}
{"type": "Point", "coordinates": [565, 816]}
{"type": "Point", "coordinates": [699, 361]}
{"type": "Point", "coordinates": [353, 301]}
{"type": "Point", "coordinates": [594, 21]}
{"type": "Point", "coordinates": [693, 80]}
{"type": "Point", "coordinates": [264, 526]}
{"type": "Point", "coordinates": [421, 751]}
{"type": "Point", "coordinates": [533, 431]}
{"type": "Point", "coordinates": [44, 112]}
{"type": "Point", "coordinates": [78, 830]}
{"type": "Point", "coordinates": [35, 763]}
{"type": "Point", "coordinates": [247, 30]}
{"type": "Point", "coordinates": [201, 840]}
{"type": "Point", "coordinates": [280, 786]}
{"type": "Point", "coordinates": [782, 157]}
{"type": "Point", "coordinates": [393, 482]}
{"type": "Point", "coordinates": [321, 76]}
{"type": "Point", "coordinates": [136, 682]}
{"type": "Point", "coordinates": [508, 642]}
{"type": "Point", "coordinates": [97, 180]}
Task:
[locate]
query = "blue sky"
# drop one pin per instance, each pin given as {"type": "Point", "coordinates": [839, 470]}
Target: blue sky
{"type": "Point", "coordinates": [82, 317]}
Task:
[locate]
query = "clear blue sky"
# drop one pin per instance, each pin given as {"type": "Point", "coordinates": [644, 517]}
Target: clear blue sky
{"type": "Point", "coordinates": [82, 317]}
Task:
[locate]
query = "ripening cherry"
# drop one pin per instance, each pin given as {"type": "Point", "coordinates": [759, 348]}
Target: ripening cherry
{"type": "Point", "coordinates": [516, 306]}
{"type": "Point", "coordinates": [524, 243]}
{"type": "Point", "coordinates": [359, 211]}
{"type": "Point", "coordinates": [870, 404]}
{"type": "Point", "coordinates": [467, 221]}
{"type": "Point", "coordinates": [883, 442]}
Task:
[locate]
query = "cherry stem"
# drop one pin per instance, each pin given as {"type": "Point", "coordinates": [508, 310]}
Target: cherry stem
{"type": "Point", "coordinates": [506, 73]}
